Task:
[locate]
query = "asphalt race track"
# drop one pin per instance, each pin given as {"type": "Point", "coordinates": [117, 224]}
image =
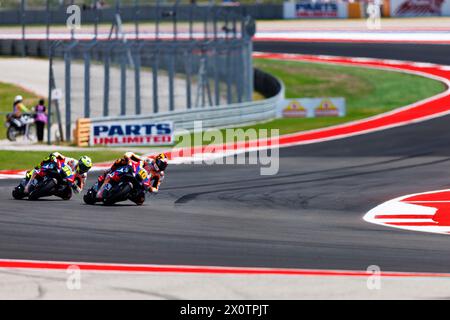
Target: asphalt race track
{"type": "Point", "coordinates": [309, 215]}
{"type": "Point", "coordinates": [434, 53]}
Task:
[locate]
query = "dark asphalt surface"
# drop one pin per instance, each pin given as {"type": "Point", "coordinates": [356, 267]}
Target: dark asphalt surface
{"type": "Point", "coordinates": [434, 53]}
{"type": "Point", "coordinates": [309, 215]}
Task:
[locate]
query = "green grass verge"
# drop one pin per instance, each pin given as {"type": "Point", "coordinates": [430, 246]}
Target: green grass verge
{"type": "Point", "coordinates": [367, 91]}
{"type": "Point", "coordinates": [28, 159]}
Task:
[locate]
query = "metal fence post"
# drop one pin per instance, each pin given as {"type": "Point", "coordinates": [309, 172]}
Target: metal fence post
{"type": "Point", "coordinates": [205, 24]}
{"type": "Point", "coordinates": [47, 27]}
{"type": "Point", "coordinates": [215, 24]}
{"type": "Point", "coordinates": [87, 83]}
{"type": "Point", "coordinates": [155, 66]}
{"type": "Point", "coordinates": [206, 49]}
{"type": "Point", "coordinates": [158, 13]}
{"type": "Point", "coordinates": [250, 84]}
{"type": "Point", "coordinates": [191, 22]}
{"type": "Point", "coordinates": [236, 72]}
{"type": "Point", "coordinates": [117, 14]}
{"type": "Point", "coordinates": [216, 74]}
{"type": "Point", "coordinates": [50, 89]}
{"type": "Point", "coordinates": [22, 22]}
{"type": "Point", "coordinates": [234, 24]}
{"type": "Point", "coordinates": [67, 80]}
{"type": "Point", "coordinates": [228, 75]}
{"type": "Point", "coordinates": [175, 19]}
{"type": "Point", "coordinates": [188, 70]}
{"type": "Point", "coordinates": [136, 18]}
{"type": "Point", "coordinates": [123, 82]}
{"type": "Point", "coordinates": [72, 30]}
{"type": "Point", "coordinates": [94, 4]}
{"type": "Point", "coordinates": [106, 63]}
{"type": "Point", "coordinates": [171, 58]}
{"type": "Point", "coordinates": [137, 79]}
{"type": "Point", "coordinates": [52, 86]}
{"type": "Point", "coordinates": [240, 74]}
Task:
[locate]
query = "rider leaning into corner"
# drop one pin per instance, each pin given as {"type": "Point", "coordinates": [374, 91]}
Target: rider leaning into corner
{"type": "Point", "coordinates": [154, 166]}
{"type": "Point", "coordinates": [74, 172]}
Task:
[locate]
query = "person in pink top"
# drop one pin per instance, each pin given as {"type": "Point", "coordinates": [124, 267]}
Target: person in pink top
{"type": "Point", "coordinates": [40, 119]}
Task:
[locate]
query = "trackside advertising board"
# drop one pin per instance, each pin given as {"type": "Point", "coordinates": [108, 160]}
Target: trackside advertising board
{"type": "Point", "coordinates": [418, 8]}
{"type": "Point", "coordinates": [133, 132]}
{"type": "Point", "coordinates": [315, 9]}
{"type": "Point", "coordinates": [312, 108]}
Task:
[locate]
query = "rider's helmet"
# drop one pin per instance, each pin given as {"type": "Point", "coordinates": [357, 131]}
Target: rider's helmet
{"type": "Point", "coordinates": [18, 99]}
{"type": "Point", "coordinates": [160, 163]}
{"type": "Point", "coordinates": [84, 164]}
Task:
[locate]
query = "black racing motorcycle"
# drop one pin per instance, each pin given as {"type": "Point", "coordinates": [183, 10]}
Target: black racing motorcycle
{"type": "Point", "coordinates": [47, 182]}
{"type": "Point", "coordinates": [22, 126]}
{"type": "Point", "coordinates": [120, 185]}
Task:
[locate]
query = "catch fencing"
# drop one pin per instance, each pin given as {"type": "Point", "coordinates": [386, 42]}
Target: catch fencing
{"type": "Point", "coordinates": [201, 64]}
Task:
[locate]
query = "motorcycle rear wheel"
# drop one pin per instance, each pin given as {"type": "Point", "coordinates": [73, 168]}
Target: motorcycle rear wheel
{"type": "Point", "coordinates": [116, 194]}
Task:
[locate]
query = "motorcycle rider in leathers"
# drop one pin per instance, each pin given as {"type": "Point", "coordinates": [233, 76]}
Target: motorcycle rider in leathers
{"type": "Point", "coordinates": [74, 172]}
{"type": "Point", "coordinates": [153, 166]}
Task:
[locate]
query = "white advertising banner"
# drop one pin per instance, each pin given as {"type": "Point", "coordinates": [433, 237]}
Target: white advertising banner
{"type": "Point", "coordinates": [314, 9]}
{"type": "Point", "coordinates": [418, 8]}
{"type": "Point", "coordinates": [132, 132]}
{"type": "Point", "coordinates": [312, 108]}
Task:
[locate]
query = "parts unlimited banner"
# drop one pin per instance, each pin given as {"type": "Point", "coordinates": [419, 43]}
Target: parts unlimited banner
{"type": "Point", "coordinates": [133, 132]}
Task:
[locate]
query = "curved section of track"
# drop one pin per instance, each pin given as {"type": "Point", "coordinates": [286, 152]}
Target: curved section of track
{"type": "Point", "coordinates": [307, 216]}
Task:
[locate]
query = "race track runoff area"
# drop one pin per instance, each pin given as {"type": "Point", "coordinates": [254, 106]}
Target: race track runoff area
{"type": "Point", "coordinates": [221, 231]}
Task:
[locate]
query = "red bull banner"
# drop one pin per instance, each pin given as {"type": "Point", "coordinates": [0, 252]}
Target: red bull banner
{"type": "Point", "coordinates": [419, 8]}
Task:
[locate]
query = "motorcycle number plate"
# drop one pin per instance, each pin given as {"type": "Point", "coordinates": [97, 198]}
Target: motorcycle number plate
{"type": "Point", "coordinates": [143, 174]}
{"type": "Point", "coordinates": [67, 171]}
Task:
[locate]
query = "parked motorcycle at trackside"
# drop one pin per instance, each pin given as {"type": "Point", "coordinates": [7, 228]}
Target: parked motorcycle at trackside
{"type": "Point", "coordinates": [22, 126]}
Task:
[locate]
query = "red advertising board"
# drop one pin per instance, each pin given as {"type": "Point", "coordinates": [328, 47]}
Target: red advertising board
{"type": "Point", "coordinates": [414, 8]}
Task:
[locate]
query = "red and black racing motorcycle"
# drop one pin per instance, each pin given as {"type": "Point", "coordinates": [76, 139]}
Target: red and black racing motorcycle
{"type": "Point", "coordinates": [49, 181]}
{"type": "Point", "coordinates": [125, 183]}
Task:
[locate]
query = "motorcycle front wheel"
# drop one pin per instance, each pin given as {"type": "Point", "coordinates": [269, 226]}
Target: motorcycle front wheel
{"type": "Point", "coordinates": [18, 192]}
{"type": "Point", "coordinates": [32, 135]}
{"type": "Point", "coordinates": [90, 197]}
{"type": "Point", "coordinates": [12, 133]}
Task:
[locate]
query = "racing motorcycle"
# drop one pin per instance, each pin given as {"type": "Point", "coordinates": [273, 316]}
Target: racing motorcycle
{"type": "Point", "coordinates": [48, 182]}
{"type": "Point", "coordinates": [120, 185]}
{"type": "Point", "coordinates": [19, 126]}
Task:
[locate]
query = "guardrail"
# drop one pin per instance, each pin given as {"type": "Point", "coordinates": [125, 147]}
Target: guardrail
{"type": "Point", "coordinates": [238, 114]}
{"type": "Point", "coordinates": [235, 115]}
